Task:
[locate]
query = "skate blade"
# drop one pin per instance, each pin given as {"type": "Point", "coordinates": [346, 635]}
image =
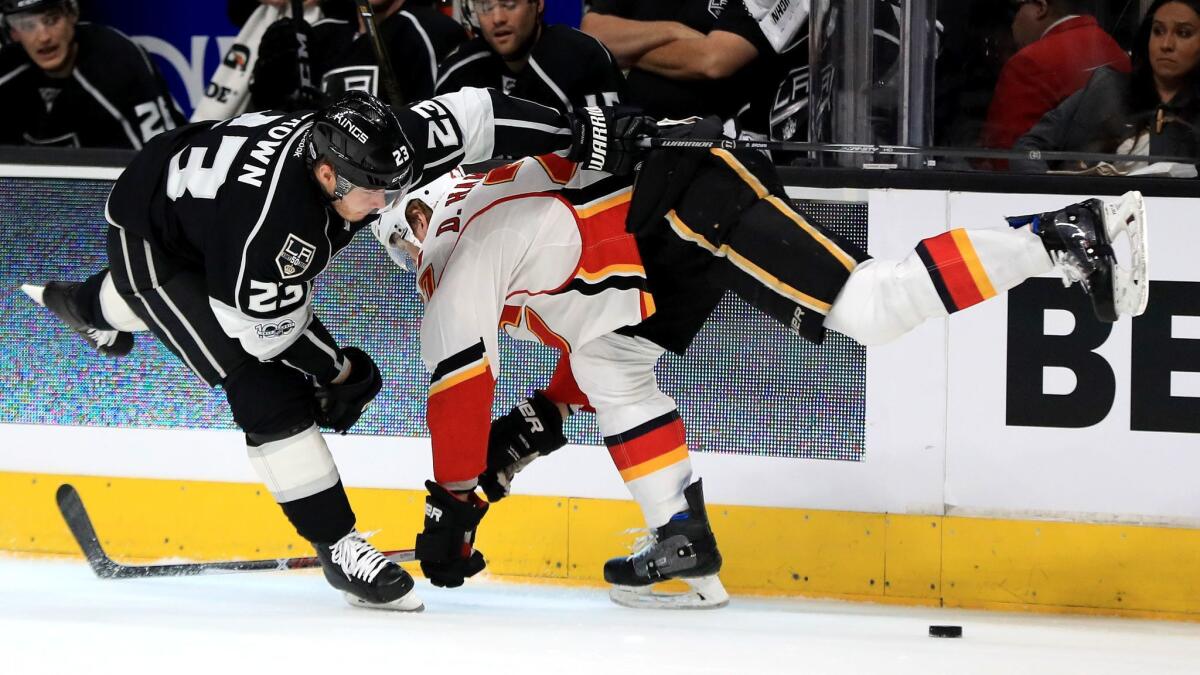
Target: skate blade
{"type": "Point", "coordinates": [34, 292]}
{"type": "Point", "coordinates": [406, 603]}
{"type": "Point", "coordinates": [703, 593]}
{"type": "Point", "coordinates": [1131, 283]}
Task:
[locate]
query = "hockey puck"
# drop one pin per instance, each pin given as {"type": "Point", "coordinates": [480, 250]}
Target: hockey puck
{"type": "Point", "coordinates": [945, 631]}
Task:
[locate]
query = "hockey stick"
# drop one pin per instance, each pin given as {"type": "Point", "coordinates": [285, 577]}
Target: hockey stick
{"type": "Point", "coordinates": [903, 150]}
{"type": "Point", "coordinates": [302, 62]}
{"type": "Point", "coordinates": [386, 76]}
{"type": "Point", "coordinates": [76, 516]}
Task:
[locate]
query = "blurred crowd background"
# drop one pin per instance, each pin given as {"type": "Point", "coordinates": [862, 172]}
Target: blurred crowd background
{"type": "Point", "coordinates": [1097, 87]}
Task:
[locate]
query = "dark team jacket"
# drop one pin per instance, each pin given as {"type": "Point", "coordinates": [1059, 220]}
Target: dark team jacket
{"type": "Point", "coordinates": [236, 201]}
{"type": "Point", "coordinates": [417, 39]}
{"type": "Point", "coordinates": [567, 69]}
{"type": "Point", "coordinates": [114, 97]}
{"type": "Point", "coordinates": [664, 97]}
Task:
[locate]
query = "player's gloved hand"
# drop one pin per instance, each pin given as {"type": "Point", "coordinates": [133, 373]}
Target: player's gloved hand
{"type": "Point", "coordinates": [276, 81]}
{"type": "Point", "coordinates": [340, 405]}
{"type": "Point", "coordinates": [528, 431]}
{"type": "Point", "coordinates": [606, 138]}
{"type": "Point", "coordinates": [446, 547]}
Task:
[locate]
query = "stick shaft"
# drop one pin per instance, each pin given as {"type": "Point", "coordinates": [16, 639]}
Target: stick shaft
{"type": "Point", "coordinates": [903, 150]}
{"type": "Point", "coordinates": [387, 78]}
{"type": "Point", "coordinates": [70, 504]}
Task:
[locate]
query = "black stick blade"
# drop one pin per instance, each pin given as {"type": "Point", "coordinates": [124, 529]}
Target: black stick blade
{"type": "Point", "coordinates": [76, 517]}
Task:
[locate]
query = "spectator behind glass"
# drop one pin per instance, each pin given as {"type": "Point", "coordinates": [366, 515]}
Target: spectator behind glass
{"type": "Point", "coordinates": [518, 54]}
{"type": "Point", "coordinates": [1155, 110]}
{"type": "Point", "coordinates": [75, 84]}
{"type": "Point", "coordinates": [416, 35]}
{"type": "Point", "coordinates": [688, 57]}
{"type": "Point", "coordinates": [1058, 48]}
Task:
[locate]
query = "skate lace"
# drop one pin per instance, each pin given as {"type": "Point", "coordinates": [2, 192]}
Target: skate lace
{"type": "Point", "coordinates": [1068, 267]}
{"type": "Point", "coordinates": [357, 558]}
{"type": "Point", "coordinates": [102, 338]}
{"type": "Point", "coordinates": [643, 544]}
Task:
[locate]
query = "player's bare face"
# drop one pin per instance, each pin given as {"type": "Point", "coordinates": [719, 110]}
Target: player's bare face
{"type": "Point", "coordinates": [360, 203]}
{"type": "Point", "coordinates": [49, 39]}
{"type": "Point", "coordinates": [1174, 44]}
{"type": "Point", "coordinates": [507, 24]}
{"type": "Point", "coordinates": [357, 204]}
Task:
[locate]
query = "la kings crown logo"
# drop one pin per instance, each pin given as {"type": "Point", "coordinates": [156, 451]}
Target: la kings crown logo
{"type": "Point", "coordinates": [295, 257]}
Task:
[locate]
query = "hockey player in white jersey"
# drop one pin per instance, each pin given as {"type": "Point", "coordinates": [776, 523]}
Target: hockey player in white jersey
{"type": "Point", "coordinates": [614, 274]}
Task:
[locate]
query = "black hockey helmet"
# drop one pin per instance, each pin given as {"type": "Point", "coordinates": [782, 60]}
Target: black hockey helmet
{"type": "Point", "coordinates": [363, 140]}
{"type": "Point", "coordinates": [10, 7]}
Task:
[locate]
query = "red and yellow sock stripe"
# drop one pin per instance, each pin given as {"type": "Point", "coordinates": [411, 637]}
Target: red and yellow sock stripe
{"type": "Point", "coordinates": [648, 447]}
{"type": "Point", "coordinates": [955, 269]}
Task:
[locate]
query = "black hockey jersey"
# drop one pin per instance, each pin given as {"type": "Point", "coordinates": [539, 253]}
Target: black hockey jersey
{"type": "Point", "coordinates": [567, 69]}
{"type": "Point", "coordinates": [114, 98]}
{"type": "Point", "coordinates": [236, 201]}
{"type": "Point", "coordinates": [417, 38]}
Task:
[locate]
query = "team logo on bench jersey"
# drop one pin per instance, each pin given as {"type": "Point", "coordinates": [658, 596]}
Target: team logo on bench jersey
{"type": "Point", "coordinates": [295, 257]}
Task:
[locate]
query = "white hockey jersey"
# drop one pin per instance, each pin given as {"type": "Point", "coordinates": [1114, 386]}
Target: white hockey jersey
{"type": "Point", "coordinates": [537, 248]}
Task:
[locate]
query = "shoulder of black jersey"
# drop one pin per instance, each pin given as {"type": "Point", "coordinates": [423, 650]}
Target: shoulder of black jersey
{"type": "Point", "coordinates": [467, 51]}
{"type": "Point", "coordinates": [467, 58]}
{"type": "Point", "coordinates": [433, 20]}
{"type": "Point", "coordinates": [108, 50]}
{"type": "Point", "coordinates": [12, 58]}
{"type": "Point", "coordinates": [330, 26]}
{"type": "Point", "coordinates": [571, 44]}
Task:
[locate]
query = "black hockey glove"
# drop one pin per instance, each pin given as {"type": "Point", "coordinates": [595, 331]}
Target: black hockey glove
{"type": "Point", "coordinates": [606, 138]}
{"type": "Point", "coordinates": [276, 82]}
{"type": "Point", "coordinates": [446, 547]}
{"type": "Point", "coordinates": [528, 431]}
{"type": "Point", "coordinates": [340, 405]}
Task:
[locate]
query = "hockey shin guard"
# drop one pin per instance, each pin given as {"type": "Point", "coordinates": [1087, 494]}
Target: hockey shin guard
{"type": "Point", "coordinates": [298, 469]}
{"type": "Point", "coordinates": [884, 299]}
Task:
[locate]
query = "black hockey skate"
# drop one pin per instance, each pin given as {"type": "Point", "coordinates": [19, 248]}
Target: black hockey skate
{"type": "Point", "coordinates": [60, 298]}
{"type": "Point", "coordinates": [684, 549]}
{"type": "Point", "coordinates": [1079, 240]}
{"type": "Point", "coordinates": [365, 576]}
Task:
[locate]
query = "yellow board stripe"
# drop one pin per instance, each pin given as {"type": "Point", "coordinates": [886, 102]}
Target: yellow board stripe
{"type": "Point", "coordinates": [651, 465]}
{"type": "Point", "coordinates": [974, 265]}
{"type": "Point", "coordinates": [763, 276]}
{"type": "Point", "coordinates": [649, 302]}
{"type": "Point", "coordinates": [953, 561]}
{"type": "Point", "coordinates": [464, 375]}
{"type": "Point", "coordinates": [611, 270]}
{"type": "Point", "coordinates": [608, 203]}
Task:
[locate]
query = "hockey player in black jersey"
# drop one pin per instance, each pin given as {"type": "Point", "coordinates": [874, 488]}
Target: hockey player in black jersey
{"type": "Point", "coordinates": [217, 231]}
{"type": "Point", "coordinates": [416, 37]}
{"type": "Point", "coordinates": [517, 53]}
{"type": "Point", "coordinates": [75, 84]}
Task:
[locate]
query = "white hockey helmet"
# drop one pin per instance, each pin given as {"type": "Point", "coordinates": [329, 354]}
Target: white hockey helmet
{"type": "Point", "coordinates": [393, 226]}
{"type": "Point", "coordinates": [431, 194]}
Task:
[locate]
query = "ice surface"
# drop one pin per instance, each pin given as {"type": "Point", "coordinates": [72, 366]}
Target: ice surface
{"type": "Point", "coordinates": [56, 617]}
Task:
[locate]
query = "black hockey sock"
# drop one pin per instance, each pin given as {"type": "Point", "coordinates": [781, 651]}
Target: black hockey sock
{"type": "Point", "coordinates": [324, 517]}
